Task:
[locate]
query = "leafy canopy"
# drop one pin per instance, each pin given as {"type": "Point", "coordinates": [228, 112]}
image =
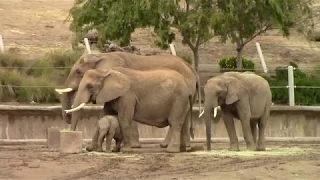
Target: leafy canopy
{"type": "Point", "coordinates": [242, 21]}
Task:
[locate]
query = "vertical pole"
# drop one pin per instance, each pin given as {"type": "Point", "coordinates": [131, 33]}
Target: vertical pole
{"type": "Point", "coordinates": [291, 85]}
{"type": "Point", "coordinates": [263, 63]}
{"type": "Point", "coordinates": [86, 42]}
{"type": "Point", "coordinates": [1, 44]}
{"type": "Point", "coordinates": [173, 50]}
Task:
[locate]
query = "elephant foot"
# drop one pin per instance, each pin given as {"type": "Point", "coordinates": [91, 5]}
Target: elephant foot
{"type": "Point", "coordinates": [99, 150]}
{"type": "Point", "coordinates": [163, 145]}
{"type": "Point", "coordinates": [261, 148]}
{"type": "Point", "coordinates": [251, 147]}
{"type": "Point", "coordinates": [173, 148]}
{"type": "Point", "coordinates": [234, 148]}
{"type": "Point", "coordinates": [108, 151]}
{"type": "Point", "coordinates": [116, 150]}
{"type": "Point", "coordinates": [89, 148]}
{"type": "Point", "coordinates": [183, 148]}
{"type": "Point", "coordinates": [126, 149]}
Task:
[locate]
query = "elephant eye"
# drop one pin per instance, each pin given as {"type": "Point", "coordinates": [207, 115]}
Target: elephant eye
{"type": "Point", "coordinates": [89, 86]}
{"type": "Point", "coordinates": [78, 71]}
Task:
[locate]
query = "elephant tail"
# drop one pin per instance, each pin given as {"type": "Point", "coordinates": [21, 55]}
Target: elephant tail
{"type": "Point", "coordinates": [191, 121]}
{"type": "Point", "coordinates": [198, 89]}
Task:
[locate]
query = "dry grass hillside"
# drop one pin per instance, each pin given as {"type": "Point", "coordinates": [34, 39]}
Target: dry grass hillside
{"type": "Point", "coordinates": [36, 26]}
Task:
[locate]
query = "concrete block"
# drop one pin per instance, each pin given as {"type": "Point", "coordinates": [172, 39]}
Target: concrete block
{"type": "Point", "coordinates": [53, 137]}
{"type": "Point", "coordinates": [70, 141]}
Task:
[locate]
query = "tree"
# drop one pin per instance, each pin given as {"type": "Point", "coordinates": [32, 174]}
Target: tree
{"type": "Point", "coordinates": [117, 20]}
{"type": "Point", "coordinates": [192, 20]}
{"type": "Point", "coordinates": [242, 21]}
{"type": "Point", "coordinates": [114, 19]}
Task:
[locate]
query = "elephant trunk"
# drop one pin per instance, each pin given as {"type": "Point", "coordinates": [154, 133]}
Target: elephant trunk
{"type": "Point", "coordinates": [208, 110]}
{"type": "Point", "coordinates": [82, 97]}
{"type": "Point", "coordinates": [66, 104]}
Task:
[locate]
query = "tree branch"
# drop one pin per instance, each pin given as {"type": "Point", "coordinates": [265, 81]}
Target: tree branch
{"type": "Point", "coordinates": [262, 30]}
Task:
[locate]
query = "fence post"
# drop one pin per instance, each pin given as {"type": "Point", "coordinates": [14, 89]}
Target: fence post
{"type": "Point", "coordinates": [173, 50]}
{"type": "Point", "coordinates": [291, 85]}
{"type": "Point", "coordinates": [1, 44]}
{"type": "Point", "coordinates": [263, 62]}
{"type": "Point", "coordinates": [86, 42]}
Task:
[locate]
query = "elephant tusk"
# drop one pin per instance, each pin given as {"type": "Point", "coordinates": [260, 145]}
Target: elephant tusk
{"type": "Point", "coordinates": [76, 108]}
{"type": "Point", "coordinates": [215, 111]}
{"type": "Point", "coordinates": [201, 114]}
{"type": "Point", "coordinates": [60, 91]}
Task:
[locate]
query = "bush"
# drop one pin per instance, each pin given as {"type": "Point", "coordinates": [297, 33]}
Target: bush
{"type": "Point", "coordinates": [22, 84]}
{"type": "Point", "coordinates": [303, 96]}
{"type": "Point", "coordinates": [230, 64]}
{"type": "Point", "coordinates": [186, 57]}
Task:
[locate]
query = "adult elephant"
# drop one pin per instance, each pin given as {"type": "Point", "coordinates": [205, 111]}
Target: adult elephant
{"type": "Point", "coordinates": [132, 61]}
{"type": "Point", "coordinates": [245, 96]}
{"type": "Point", "coordinates": [157, 97]}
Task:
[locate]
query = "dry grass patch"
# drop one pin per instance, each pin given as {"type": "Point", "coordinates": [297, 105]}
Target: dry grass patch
{"type": "Point", "coordinates": [273, 151]}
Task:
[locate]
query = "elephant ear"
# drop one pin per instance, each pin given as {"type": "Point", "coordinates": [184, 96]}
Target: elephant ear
{"type": "Point", "coordinates": [234, 92]}
{"type": "Point", "coordinates": [115, 84]}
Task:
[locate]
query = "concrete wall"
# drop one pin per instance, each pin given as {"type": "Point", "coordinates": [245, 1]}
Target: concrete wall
{"type": "Point", "coordinates": [31, 122]}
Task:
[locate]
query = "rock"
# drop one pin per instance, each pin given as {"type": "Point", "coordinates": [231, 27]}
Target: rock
{"type": "Point", "coordinates": [70, 141]}
{"type": "Point", "coordinates": [53, 137]}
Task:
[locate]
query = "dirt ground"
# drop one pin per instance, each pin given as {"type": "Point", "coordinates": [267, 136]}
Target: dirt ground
{"type": "Point", "coordinates": [151, 162]}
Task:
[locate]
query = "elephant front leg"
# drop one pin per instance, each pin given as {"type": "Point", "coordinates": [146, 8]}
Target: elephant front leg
{"type": "Point", "coordinates": [229, 124]}
{"type": "Point", "coordinates": [135, 135]}
{"type": "Point", "coordinates": [125, 115]}
{"type": "Point", "coordinates": [247, 133]}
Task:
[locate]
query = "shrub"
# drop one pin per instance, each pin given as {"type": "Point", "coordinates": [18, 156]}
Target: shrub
{"type": "Point", "coordinates": [186, 57]}
{"type": "Point", "coordinates": [22, 85]}
{"type": "Point", "coordinates": [230, 64]}
{"type": "Point", "coordinates": [11, 60]}
{"type": "Point", "coordinates": [303, 96]}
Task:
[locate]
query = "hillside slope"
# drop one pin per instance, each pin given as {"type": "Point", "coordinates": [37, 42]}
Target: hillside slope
{"type": "Point", "coordinates": [36, 26]}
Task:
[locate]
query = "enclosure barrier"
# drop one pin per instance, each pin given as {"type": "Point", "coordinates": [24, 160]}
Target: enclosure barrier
{"type": "Point", "coordinates": [22, 124]}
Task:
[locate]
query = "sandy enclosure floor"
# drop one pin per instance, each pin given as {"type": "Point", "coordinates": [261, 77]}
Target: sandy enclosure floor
{"type": "Point", "coordinates": [282, 161]}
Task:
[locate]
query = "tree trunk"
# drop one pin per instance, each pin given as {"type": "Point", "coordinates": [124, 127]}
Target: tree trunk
{"type": "Point", "coordinates": [196, 59]}
{"type": "Point", "coordinates": [239, 58]}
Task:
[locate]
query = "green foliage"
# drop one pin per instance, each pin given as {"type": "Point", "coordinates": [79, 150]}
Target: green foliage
{"type": "Point", "coordinates": [230, 64]}
{"type": "Point", "coordinates": [303, 96]}
{"type": "Point", "coordinates": [186, 57]}
{"type": "Point", "coordinates": [242, 21]}
{"type": "Point", "coordinates": [117, 20]}
{"type": "Point", "coordinates": [34, 73]}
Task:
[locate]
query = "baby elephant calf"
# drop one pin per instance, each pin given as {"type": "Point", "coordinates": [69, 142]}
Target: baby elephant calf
{"type": "Point", "coordinates": [106, 127]}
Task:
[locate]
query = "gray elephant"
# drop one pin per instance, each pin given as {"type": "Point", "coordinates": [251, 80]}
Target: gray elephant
{"type": "Point", "coordinates": [107, 128]}
{"type": "Point", "coordinates": [245, 96]}
{"type": "Point", "coordinates": [132, 61]}
{"type": "Point", "coordinates": [158, 97]}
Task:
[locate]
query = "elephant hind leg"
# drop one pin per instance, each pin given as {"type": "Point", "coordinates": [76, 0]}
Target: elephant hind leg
{"type": "Point", "coordinates": [253, 125]}
{"type": "Point", "coordinates": [177, 118]}
{"type": "Point", "coordinates": [261, 125]}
